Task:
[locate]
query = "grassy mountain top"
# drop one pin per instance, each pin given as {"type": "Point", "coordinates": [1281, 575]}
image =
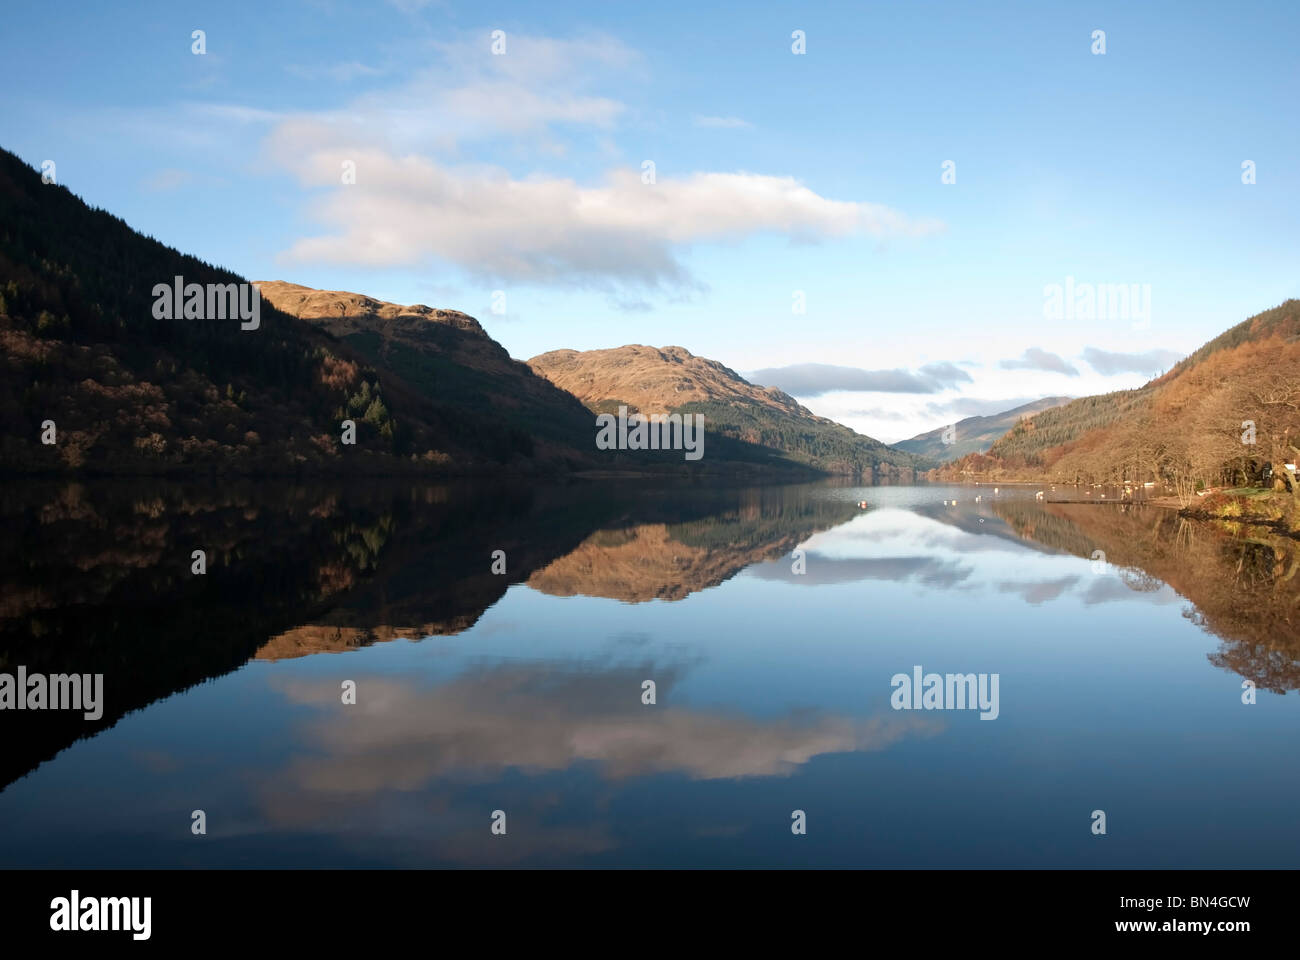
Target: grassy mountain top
{"type": "Point", "coordinates": [446, 357]}
{"type": "Point", "coordinates": [654, 380]}
{"type": "Point", "coordinates": [673, 380]}
{"type": "Point", "coordinates": [349, 309]}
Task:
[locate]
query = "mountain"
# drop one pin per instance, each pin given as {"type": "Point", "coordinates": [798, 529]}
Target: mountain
{"type": "Point", "coordinates": [445, 356]}
{"type": "Point", "coordinates": [974, 434]}
{"type": "Point", "coordinates": [105, 371]}
{"type": "Point", "coordinates": [770, 423]}
{"type": "Point", "coordinates": [91, 361]}
{"type": "Point", "coordinates": [653, 380]}
{"type": "Point", "coordinates": [1218, 417]}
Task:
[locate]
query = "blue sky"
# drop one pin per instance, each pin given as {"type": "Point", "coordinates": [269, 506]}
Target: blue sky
{"type": "Point", "coordinates": [776, 174]}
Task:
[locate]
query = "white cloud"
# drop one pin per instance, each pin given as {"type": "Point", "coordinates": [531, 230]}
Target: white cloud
{"type": "Point", "coordinates": [622, 232]}
{"type": "Point", "coordinates": [342, 72]}
{"type": "Point", "coordinates": [414, 6]}
{"type": "Point", "coordinates": [415, 200]}
{"type": "Point", "coordinates": [1036, 358]}
{"type": "Point", "coordinates": [468, 93]}
{"type": "Point", "coordinates": [235, 113]}
{"type": "Point", "coordinates": [726, 123]}
{"type": "Point", "coordinates": [817, 379]}
{"type": "Point", "coordinates": [168, 179]}
{"type": "Point", "coordinates": [1108, 363]}
{"type": "Point", "coordinates": [976, 407]}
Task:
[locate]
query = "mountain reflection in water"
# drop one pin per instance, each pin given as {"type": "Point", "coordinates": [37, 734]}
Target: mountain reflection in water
{"type": "Point", "coordinates": [769, 619]}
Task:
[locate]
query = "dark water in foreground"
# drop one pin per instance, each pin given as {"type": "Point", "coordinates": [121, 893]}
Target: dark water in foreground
{"type": "Point", "coordinates": [1120, 679]}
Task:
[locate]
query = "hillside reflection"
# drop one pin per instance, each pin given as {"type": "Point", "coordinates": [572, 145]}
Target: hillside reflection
{"type": "Point", "coordinates": [96, 578]}
{"type": "Point", "coordinates": [1240, 580]}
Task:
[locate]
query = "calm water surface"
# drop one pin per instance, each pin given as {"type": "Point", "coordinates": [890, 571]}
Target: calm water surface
{"type": "Point", "coordinates": [1120, 678]}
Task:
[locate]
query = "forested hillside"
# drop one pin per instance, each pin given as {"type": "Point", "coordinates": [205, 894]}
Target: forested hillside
{"type": "Point", "coordinates": [1229, 414]}
{"type": "Point", "coordinates": [128, 391]}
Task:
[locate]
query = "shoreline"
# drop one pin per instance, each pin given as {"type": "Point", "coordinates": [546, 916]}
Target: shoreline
{"type": "Point", "coordinates": [1242, 505]}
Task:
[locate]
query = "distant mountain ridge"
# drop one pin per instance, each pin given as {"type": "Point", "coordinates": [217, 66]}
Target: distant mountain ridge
{"type": "Point", "coordinates": [974, 434]}
{"type": "Point", "coordinates": [653, 380]}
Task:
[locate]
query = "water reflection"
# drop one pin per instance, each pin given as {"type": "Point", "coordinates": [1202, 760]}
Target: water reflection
{"type": "Point", "coordinates": [1240, 580]}
{"type": "Point", "coordinates": [769, 620]}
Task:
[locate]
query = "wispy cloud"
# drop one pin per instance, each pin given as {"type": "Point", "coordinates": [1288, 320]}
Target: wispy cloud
{"type": "Point", "coordinates": [1108, 364]}
{"type": "Point", "coordinates": [1036, 358]}
{"type": "Point", "coordinates": [166, 180]}
{"type": "Point", "coordinates": [815, 379]}
{"type": "Point", "coordinates": [413, 6]}
{"type": "Point", "coordinates": [947, 374]}
{"type": "Point", "coordinates": [623, 232]}
{"type": "Point", "coordinates": [976, 407]}
{"type": "Point", "coordinates": [538, 88]}
{"type": "Point", "coordinates": [724, 123]}
{"type": "Point", "coordinates": [411, 202]}
{"type": "Point", "coordinates": [342, 72]}
{"type": "Point", "coordinates": [876, 413]}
